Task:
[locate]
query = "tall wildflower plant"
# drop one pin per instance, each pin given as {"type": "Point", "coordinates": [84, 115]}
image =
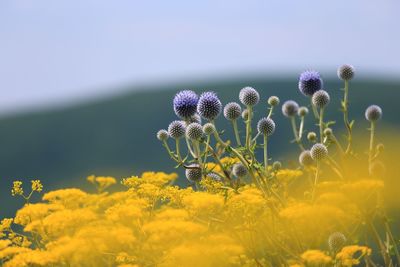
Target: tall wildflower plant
{"type": "Point", "coordinates": [241, 210]}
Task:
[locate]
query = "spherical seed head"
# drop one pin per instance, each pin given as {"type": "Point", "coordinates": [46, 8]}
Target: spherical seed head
{"type": "Point", "coordinates": [194, 131]}
{"type": "Point", "coordinates": [303, 111]}
{"type": "Point", "coordinates": [311, 136]}
{"type": "Point", "coordinates": [336, 241]}
{"type": "Point", "coordinates": [273, 101]}
{"type": "Point", "coordinates": [320, 99]}
{"type": "Point", "coordinates": [328, 132]}
{"type": "Point", "coordinates": [185, 104]}
{"type": "Point", "coordinates": [209, 105]}
{"type": "Point", "coordinates": [249, 96]}
{"type": "Point", "coordinates": [290, 108]}
{"type": "Point", "coordinates": [373, 113]}
{"type": "Point", "coordinates": [162, 135]}
{"type": "Point", "coordinates": [319, 152]}
{"type": "Point", "coordinates": [208, 128]}
{"type": "Point", "coordinates": [277, 165]}
{"type": "Point", "coordinates": [305, 158]}
{"type": "Point", "coordinates": [239, 170]}
{"type": "Point", "coordinates": [245, 114]}
{"type": "Point", "coordinates": [193, 173]}
{"type": "Point", "coordinates": [266, 126]}
{"type": "Point", "coordinates": [346, 72]}
{"type": "Point", "coordinates": [214, 176]}
{"type": "Point", "coordinates": [310, 82]}
{"type": "Point", "coordinates": [232, 111]}
{"type": "Point", "coordinates": [176, 129]}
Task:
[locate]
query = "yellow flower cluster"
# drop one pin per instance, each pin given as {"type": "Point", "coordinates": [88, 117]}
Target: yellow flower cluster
{"type": "Point", "coordinates": [153, 223]}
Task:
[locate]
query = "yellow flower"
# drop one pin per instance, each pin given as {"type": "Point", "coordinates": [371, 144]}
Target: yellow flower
{"type": "Point", "coordinates": [17, 188]}
{"type": "Point", "coordinates": [316, 258]}
{"type": "Point", "coordinates": [346, 255]}
{"type": "Point", "coordinates": [37, 186]}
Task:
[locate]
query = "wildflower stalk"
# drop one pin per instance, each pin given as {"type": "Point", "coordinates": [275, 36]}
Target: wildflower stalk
{"type": "Point", "coordinates": [206, 149]}
{"type": "Point", "coordinates": [169, 151]}
{"type": "Point", "coordinates": [235, 129]}
{"type": "Point", "coordinates": [217, 159]}
{"type": "Point", "coordinates": [371, 144]}
{"type": "Point", "coordinates": [345, 107]}
{"type": "Point", "coordinates": [314, 109]}
{"type": "Point", "coordinates": [190, 147]}
{"type": "Point", "coordinates": [295, 133]}
{"type": "Point", "coordinates": [321, 124]}
{"type": "Point", "coordinates": [248, 126]}
{"type": "Point", "coordinates": [178, 152]}
{"type": "Point", "coordinates": [317, 173]}
{"type": "Point", "coordinates": [381, 244]}
{"type": "Point", "coordinates": [196, 147]}
{"type": "Point", "coordinates": [391, 237]}
{"type": "Point", "coordinates": [266, 153]}
{"type": "Point", "coordinates": [270, 111]}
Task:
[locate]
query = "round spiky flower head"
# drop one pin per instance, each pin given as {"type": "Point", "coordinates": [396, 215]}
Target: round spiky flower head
{"type": "Point", "coordinates": [336, 241]}
{"type": "Point", "coordinates": [266, 126]}
{"type": "Point", "coordinates": [320, 99]}
{"type": "Point", "coordinates": [194, 131]}
{"type": "Point", "coordinates": [277, 165]}
{"type": "Point", "coordinates": [290, 108]}
{"type": "Point", "coordinates": [176, 129]}
{"type": "Point", "coordinates": [209, 105]}
{"type": "Point", "coordinates": [311, 136]}
{"type": "Point", "coordinates": [346, 72]}
{"type": "Point", "coordinates": [303, 111]}
{"type": "Point", "coordinates": [195, 118]}
{"type": "Point", "coordinates": [310, 82]}
{"type": "Point", "coordinates": [162, 135]}
{"type": "Point", "coordinates": [305, 158]}
{"type": "Point", "coordinates": [232, 111]}
{"type": "Point", "coordinates": [328, 132]}
{"type": "Point", "coordinates": [273, 101]}
{"type": "Point", "coordinates": [319, 152]}
{"type": "Point", "coordinates": [208, 128]}
{"type": "Point", "coordinates": [214, 176]}
{"type": "Point", "coordinates": [239, 170]}
{"type": "Point", "coordinates": [373, 113]}
{"type": "Point", "coordinates": [185, 104]}
{"type": "Point", "coordinates": [245, 114]}
{"type": "Point", "coordinates": [249, 96]}
{"type": "Point", "coordinates": [193, 173]}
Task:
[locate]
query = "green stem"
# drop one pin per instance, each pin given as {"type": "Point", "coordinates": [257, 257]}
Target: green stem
{"type": "Point", "coordinates": [206, 150]}
{"type": "Point", "coordinates": [189, 146]}
{"type": "Point", "coordinates": [321, 125]}
{"type": "Point", "coordinates": [345, 107]}
{"type": "Point", "coordinates": [295, 133]}
{"type": "Point", "coordinates": [178, 152]}
{"type": "Point", "coordinates": [266, 153]}
{"type": "Point", "coordinates": [270, 111]}
{"type": "Point", "coordinates": [371, 144]}
{"type": "Point", "coordinates": [198, 154]}
{"type": "Point", "coordinates": [169, 151]}
{"type": "Point", "coordinates": [314, 109]}
{"type": "Point", "coordinates": [235, 129]}
{"type": "Point", "coordinates": [248, 126]}
{"type": "Point", "coordinates": [301, 127]}
{"type": "Point", "coordinates": [393, 240]}
{"type": "Point", "coordinates": [317, 171]}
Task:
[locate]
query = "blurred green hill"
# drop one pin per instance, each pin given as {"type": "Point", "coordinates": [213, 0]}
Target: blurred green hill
{"type": "Point", "coordinates": [116, 136]}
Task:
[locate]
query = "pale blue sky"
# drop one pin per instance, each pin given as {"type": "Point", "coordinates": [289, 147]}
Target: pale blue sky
{"type": "Point", "coordinates": [55, 51]}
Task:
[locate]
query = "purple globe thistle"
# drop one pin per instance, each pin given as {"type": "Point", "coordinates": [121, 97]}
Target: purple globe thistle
{"type": "Point", "coordinates": [214, 176]}
{"type": "Point", "coordinates": [185, 104]}
{"type": "Point", "coordinates": [232, 111]}
{"type": "Point", "coordinates": [309, 82]}
{"type": "Point", "coordinates": [176, 129]}
{"type": "Point", "coordinates": [266, 126]}
{"type": "Point", "coordinates": [373, 113]}
{"type": "Point", "coordinates": [249, 96]}
{"type": "Point", "coordinates": [290, 108]}
{"type": "Point", "coordinates": [209, 106]}
{"type": "Point", "coordinates": [194, 131]}
{"type": "Point", "coordinates": [195, 118]}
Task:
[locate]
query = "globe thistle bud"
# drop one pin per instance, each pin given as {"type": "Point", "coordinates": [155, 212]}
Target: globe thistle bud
{"type": "Point", "coordinates": [214, 176]}
{"type": "Point", "coordinates": [305, 158]}
{"type": "Point", "coordinates": [176, 129]}
{"type": "Point", "coordinates": [249, 96]}
{"type": "Point", "coordinates": [266, 126]}
{"type": "Point", "coordinates": [209, 106]}
{"type": "Point", "coordinates": [162, 135]}
{"type": "Point", "coordinates": [328, 132]}
{"type": "Point", "coordinates": [208, 128]}
{"type": "Point", "coordinates": [319, 152]}
{"type": "Point", "coordinates": [276, 166]}
{"type": "Point", "coordinates": [245, 114]}
{"type": "Point", "coordinates": [290, 108]}
{"type": "Point", "coordinates": [239, 170]}
{"type": "Point", "coordinates": [311, 136]}
{"type": "Point", "coordinates": [373, 113]}
{"type": "Point", "coordinates": [193, 173]}
{"type": "Point", "coordinates": [336, 241]}
{"type": "Point", "coordinates": [185, 104]}
{"type": "Point", "coordinates": [346, 72]}
{"type": "Point", "coordinates": [303, 111]}
{"type": "Point", "coordinates": [195, 118]}
{"type": "Point", "coordinates": [194, 131]}
{"type": "Point", "coordinates": [310, 82]}
{"type": "Point", "coordinates": [273, 101]}
{"type": "Point", "coordinates": [320, 99]}
{"type": "Point", "coordinates": [232, 111]}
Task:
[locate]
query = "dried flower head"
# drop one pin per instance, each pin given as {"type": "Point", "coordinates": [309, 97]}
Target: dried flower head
{"type": "Point", "coordinates": [176, 129]}
{"type": "Point", "coordinates": [290, 108]}
{"type": "Point", "coordinates": [232, 111]}
{"type": "Point", "coordinates": [310, 82]}
{"type": "Point", "coordinates": [266, 126]}
{"type": "Point", "coordinates": [373, 113]}
{"type": "Point", "coordinates": [303, 111]}
{"type": "Point", "coordinates": [346, 72]}
{"type": "Point", "coordinates": [194, 131]}
{"type": "Point", "coordinates": [249, 96]}
{"type": "Point", "coordinates": [311, 136]}
{"type": "Point", "coordinates": [320, 99]}
{"type": "Point", "coordinates": [208, 128]}
{"type": "Point", "coordinates": [319, 152]}
{"type": "Point", "coordinates": [209, 106]}
{"type": "Point", "coordinates": [185, 104]}
{"type": "Point", "coordinates": [336, 241]}
{"type": "Point", "coordinates": [277, 165]}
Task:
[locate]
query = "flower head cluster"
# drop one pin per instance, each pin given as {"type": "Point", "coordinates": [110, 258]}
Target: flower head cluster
{"type": "Point", "coordinates": [185, 104]}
